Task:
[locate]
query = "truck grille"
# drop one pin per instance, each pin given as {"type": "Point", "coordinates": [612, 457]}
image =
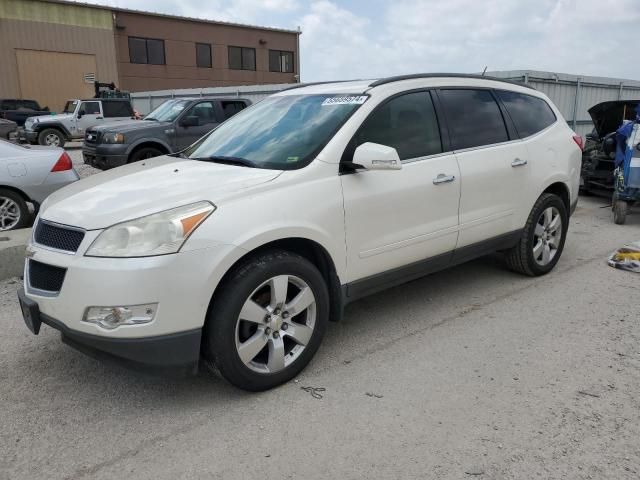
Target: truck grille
{"type": "Point", "coordinates": [58, 237]}
{"type": "Point", "coordinates": [46, 277]}
{"type": "Point", "coordinates": [91, 137]}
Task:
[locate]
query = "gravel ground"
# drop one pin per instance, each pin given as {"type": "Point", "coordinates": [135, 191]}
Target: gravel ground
{"type": "Point", "coordinates": [75, 152]}
{"type": "Point", "coordinates": [474, 372]}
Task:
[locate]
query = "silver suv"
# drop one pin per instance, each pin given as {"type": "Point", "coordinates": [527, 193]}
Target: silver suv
{"type": "Point", "coordinates": [78, 115]}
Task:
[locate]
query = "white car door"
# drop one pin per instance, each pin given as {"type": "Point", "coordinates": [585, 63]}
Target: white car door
{"type": "Point", "coordinates": [493, 165]}
{"type": "Point", "coordinates": [89, 114]}
{"type": "Point", "coordinates": [402, 218]}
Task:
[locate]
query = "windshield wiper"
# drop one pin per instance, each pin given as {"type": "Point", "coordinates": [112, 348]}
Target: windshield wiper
{"type": "Point", "coordinates": [243, 162]}
{"type": "Point", "coordinates": [150, 118]}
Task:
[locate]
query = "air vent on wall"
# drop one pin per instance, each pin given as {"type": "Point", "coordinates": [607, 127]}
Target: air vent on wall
{"type": "Point", "coordinates": [89, 77]}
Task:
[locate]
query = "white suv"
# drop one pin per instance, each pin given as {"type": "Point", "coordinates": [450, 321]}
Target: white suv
{"type": "Point", "coordinates": [242, 248]}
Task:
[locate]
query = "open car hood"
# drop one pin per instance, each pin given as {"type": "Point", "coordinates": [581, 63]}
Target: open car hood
{"type": "Point", "coordinates": [608, 116]}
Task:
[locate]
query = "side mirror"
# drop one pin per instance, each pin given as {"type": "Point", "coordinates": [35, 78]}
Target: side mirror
{"type": "Point", "coordinates": [79, 116]}
{"type": "Point", "coordinates": [190, 121]}
{"type": "Point", "coordinates": [373, 156]}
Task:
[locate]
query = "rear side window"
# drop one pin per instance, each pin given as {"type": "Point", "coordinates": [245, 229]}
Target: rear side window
{"type": "Point", "coordinates": [29, 104]}
{"type": "Point", "coordinates": [529, 114]}
{"type": "Point", "coordinates": [407, 123]}
{"type": "Point", "coordinates": [231, 108]}
{"type": "Point", "coordinates": [9, 105]}
{"type": "Point", "coordinates": [116, 109]}
{"type": "Point", "coordinates": [473, 117]}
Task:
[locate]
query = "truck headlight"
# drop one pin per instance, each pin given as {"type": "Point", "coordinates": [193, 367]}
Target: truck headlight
{"type": "Point", "coordinates": [113, 138]}
{"type": "Point", "coordinates": [157, 234]}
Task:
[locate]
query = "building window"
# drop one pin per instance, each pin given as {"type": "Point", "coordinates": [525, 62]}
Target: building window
{"type": "Point", "coordinates": [242, 58]}
{"type": "Point", "coordinates": [203, 55]}
{"type": "Point", "coordinates": [280, 61]}
{"type": "Point", "coordinates": [146, 50]}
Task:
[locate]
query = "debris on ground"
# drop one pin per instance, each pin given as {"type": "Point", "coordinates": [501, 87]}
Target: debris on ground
{"type": "Point", "coordinates": [626, 258]}
{"type": "Point", "coordinates": [371, 394]}
{"type": "Point", "coordinates": [314, 391]}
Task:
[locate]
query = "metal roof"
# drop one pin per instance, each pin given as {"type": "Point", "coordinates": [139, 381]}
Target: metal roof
{"type": "Point", "coordinates": [165, 15]}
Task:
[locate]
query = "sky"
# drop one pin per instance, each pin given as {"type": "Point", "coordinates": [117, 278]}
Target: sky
{"type": "Point", "coordinates": [377, 38]}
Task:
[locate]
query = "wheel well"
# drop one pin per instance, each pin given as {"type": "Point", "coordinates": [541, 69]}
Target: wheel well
{"type": "Point", "coordinates": [53, 127]}
{"type": "Point", "coordinates": [156, 145]}
{"type": "Point", "coordinates": [15, 190]}
{"type": "Point", "coordinates": [313, 252]}
{"type": "Point", "coordinates": [561, 190]}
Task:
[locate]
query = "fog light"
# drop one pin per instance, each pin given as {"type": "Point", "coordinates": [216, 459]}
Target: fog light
{"type": "Point", "coordinates": [113, 317]}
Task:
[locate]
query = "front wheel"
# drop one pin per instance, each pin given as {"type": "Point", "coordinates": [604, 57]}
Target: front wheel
{"type": "Point", "coordinates": [51, 137]}
{"type": "Point", "coordinates": [542, 239]}
{"type": "Point", "coordinates": [267, 320]}
{"type": "Point", "coordinates": [620, 209]}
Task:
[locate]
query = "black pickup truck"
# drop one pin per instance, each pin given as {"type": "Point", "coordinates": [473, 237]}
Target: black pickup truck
{"type": "Point", "coordinates": [18, 110]}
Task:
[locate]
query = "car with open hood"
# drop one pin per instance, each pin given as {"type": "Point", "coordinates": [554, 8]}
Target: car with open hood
{"type": "Point", "coordinates": [237, 252]}
{"type": "Point", "coordinates": [598, 158]}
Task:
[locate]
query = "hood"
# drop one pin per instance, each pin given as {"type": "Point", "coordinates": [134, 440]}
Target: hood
{"type": "Point", "coordinates": [53, 117]}
{"type": "Point", "coordinates": [127, 125]}
{"type": "Point", "coordinates": [608, 116]}
{"type": "Point", "coordinates": [147, 187]}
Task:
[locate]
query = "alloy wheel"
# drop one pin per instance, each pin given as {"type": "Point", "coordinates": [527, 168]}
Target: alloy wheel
{"type": "Point", "coordinates": [276, 324]}
{"type": "Point", "coordinates": [52, 140]}
{"type": "Point", "coordinates": [547, 236]}
{"type": "Point", "coordinates": [9, 214]}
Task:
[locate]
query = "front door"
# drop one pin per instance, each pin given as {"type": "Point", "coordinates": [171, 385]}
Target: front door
{"type": "Point", "coordinates": [493, 165]}
{"type": "Point", "coordinates": [207, 121]}
{"type": "Point", "coordinates": [398, 218]}
{"type": "Point", "coordinates": [89, 114]}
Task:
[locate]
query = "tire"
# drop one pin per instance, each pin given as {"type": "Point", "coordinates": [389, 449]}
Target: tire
{"type": "Point", "coordinates": [620, 209]}
{"type": "Point", "coordinates": [14, 212]}
{"type": "Point", "coordinates": [51, 137]}
{"type": "Point", "coordinates": [144, 153]}
{"type": "Point", "coordinates": [539, 233]}
{"type": "Point", "coordinates": [250, 288]}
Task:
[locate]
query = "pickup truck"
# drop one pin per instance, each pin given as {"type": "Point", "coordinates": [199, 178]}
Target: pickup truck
{"type": "Point", "coordinates": [18, 110]}
{"type": "Point", "coordinates": [170, 128]}
{"type": "Point", "coordinates": [78, 115]}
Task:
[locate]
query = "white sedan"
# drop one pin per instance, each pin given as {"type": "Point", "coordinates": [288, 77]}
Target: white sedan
{"type": "Point", "coordinates": [29, 174]}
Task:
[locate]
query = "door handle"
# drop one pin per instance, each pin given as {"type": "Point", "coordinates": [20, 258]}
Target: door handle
{"type": "Point", "coordinates": [518, 163]}
{"type": "Point", "coordinates": [442, 178]}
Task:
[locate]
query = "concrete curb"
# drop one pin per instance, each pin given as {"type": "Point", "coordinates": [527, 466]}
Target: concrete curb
{"type": "Point", "coordinates": [12, 249]}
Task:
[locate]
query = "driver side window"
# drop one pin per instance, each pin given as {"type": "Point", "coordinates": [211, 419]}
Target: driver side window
{"type": "Point", "coordinates": [89, 108]}
{"type": "Point", "coordinates": [205, 113]}
{"type": "Point", "coordinates": [407, 123]}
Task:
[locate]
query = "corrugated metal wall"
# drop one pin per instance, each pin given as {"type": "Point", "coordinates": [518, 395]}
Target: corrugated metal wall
{"type": "Point", "coordinates": [574, 95]}
{"type": "Point", "coordinates": [53, 28]}
{"type": "Point", "coordinates": [144, 102]}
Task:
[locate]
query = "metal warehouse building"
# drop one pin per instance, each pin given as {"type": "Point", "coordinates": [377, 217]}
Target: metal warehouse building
{"type": "Point", "coordinates": [52, 50]}
{"type": "Point", "coordinates": [573, 94]}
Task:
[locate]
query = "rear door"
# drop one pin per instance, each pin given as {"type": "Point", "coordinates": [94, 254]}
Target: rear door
{"type": "Point", "coordinates": [397, 218]}
{"type": "Point", "coordinates": [207, 120]}
{"type": "Point", "coordinates": [493, 164]}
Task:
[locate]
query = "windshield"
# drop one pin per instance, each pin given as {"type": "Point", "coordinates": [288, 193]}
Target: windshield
{"type": "Point", "coordinates": [168, 111]}
{"type": "Point", "coordinates": [70, 106]}
{"type": "Point", "coordinates": [280, 132]}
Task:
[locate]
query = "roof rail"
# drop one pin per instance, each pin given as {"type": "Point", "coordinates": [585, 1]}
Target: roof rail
{"type": "Point", "coordinates": [310, 84]}
{"type": "Point", "coordinates": [384, 81]}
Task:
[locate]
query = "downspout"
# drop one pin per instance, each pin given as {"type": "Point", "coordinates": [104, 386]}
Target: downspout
{"type": "Point", "coordinates": [298, 54]}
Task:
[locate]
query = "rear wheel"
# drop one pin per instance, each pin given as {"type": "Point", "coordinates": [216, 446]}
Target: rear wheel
{"type": "Point", "coordinates": [542, 239]}
{"type": "Point", "coordinates": [51, 137]}
{"type": "Point", "coordinates": [620, 209]}
{"type": "Point", "coordinates": [14, 212]}
{"type": "Point", "coordinates": [144, 153]}
{"type": "Point", "coordinates": [267, 320]}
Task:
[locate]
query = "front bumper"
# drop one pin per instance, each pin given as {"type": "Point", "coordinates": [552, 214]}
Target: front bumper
{"type": "Point", "coordinates": [105, 156]}
{"type": "Point", "coordinates": [177, 353]}
{"type": "Point", "coordinates": [31, 136]}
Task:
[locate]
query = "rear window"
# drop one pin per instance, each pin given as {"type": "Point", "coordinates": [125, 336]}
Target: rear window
{"type": "Point", "coordinates": [231, 108]}
{"type": "Point", "coordinates": [29, 104]}
{"type": "Point", "coordinates": [529, 114]}
{"type": "Point", "coordinates": [9, 105]}
{"type": "Point", "coordinates": [474, 118]}
{"type": "Point", "coordinates": [116, 109]}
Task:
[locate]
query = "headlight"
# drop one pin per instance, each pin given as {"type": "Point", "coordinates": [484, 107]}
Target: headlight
{"type": "Point", "coordinates": [113, 138]}
{"type": "Point", "coordinates": [158, 234]}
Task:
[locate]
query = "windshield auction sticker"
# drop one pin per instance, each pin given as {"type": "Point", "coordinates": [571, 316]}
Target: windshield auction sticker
{"type": "Point", "coordinates": [357, 100]}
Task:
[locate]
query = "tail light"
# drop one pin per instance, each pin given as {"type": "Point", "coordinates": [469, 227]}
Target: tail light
{"type": "Point", "coordinates": [63, 164]}
{"type": "Point", "coordinates": [578, 140]}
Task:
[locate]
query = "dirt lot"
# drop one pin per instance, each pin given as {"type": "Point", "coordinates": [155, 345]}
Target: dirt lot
{"type": "Point", "coordinates": [470, 373]}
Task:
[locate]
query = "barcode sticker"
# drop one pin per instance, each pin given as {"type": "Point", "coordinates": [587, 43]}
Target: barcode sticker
{"type": "Point", "coordinates": [355, 100]}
